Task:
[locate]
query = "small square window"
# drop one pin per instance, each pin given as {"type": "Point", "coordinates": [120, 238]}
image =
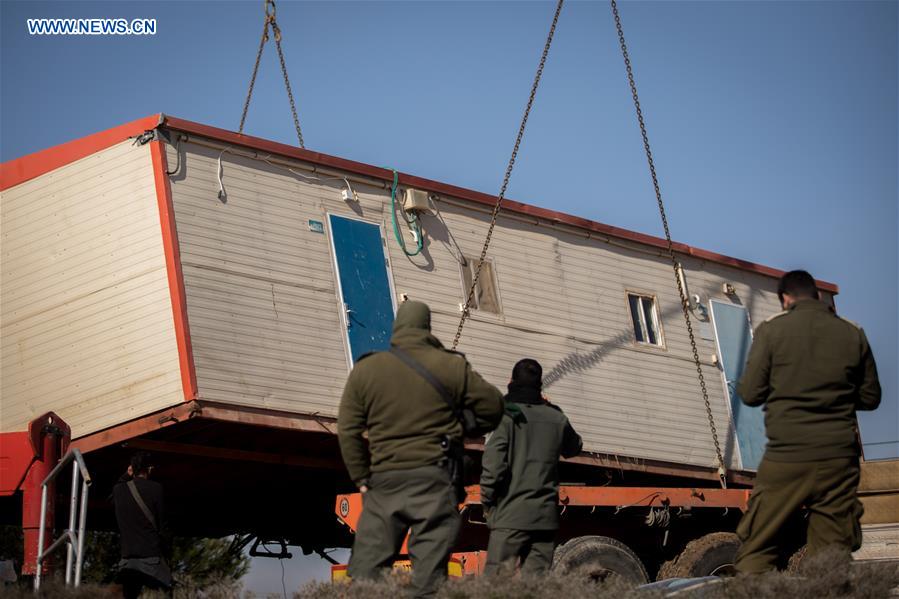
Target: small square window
{"type": "Point", "coordinates": [645, 317]}
{"type": "Point", "coordinates": [485, 299]}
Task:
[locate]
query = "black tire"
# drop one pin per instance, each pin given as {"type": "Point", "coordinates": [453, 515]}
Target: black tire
{"type": "Point", "coordinates": [711, 555]}
{"type": "Point", "coordinates": [597, 558]}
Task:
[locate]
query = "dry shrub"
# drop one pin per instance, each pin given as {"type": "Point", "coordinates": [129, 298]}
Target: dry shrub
{"type": "Point", "coordinates": [189, 588]}
{"type": "Point", "coordinates": [553, 585]}
{"type": "Point", "coordinates": [392, 586]}
{"type": "Point", "coordinates": [56, 588]}
{"type": "Point", "coordinates": [503, 586]}
{"type": "Point", "coordinates": [829, 575]}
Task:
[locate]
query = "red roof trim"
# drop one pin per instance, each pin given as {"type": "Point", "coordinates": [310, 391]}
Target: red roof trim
{"type": "Point", "coordinates": [360, 168]}
{"type": "Point", "coordinates": [25, 168]}
{"type": "Point", "coordinates": [28, 167]}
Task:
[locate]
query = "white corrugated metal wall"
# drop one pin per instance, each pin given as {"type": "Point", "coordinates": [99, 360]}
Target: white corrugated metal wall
{"type": "Point", "coordinates": [266, 329]}
{"type": "Point", "coordinates": [87, 328]}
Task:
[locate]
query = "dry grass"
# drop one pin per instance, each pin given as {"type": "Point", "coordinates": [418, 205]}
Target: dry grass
{"type": "Point", "coordinates": [827, 577]}
{"type": "Point", "coordinates": [52, 589]}
{"type": "Point", "coordinates": [55, 589]}
{"type": "Point", "coordinates": [499, 587]}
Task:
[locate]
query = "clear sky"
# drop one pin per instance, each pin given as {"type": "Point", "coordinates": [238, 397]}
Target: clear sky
{"type": "Point", "coordinates": [773, 124]}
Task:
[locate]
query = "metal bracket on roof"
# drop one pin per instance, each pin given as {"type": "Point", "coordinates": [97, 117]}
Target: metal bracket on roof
{"type": "Point", "coordinates": [166, 135]}
{"type": "Point", "coordinates": [174, 139]}
{"type": "Point", "coordinates": [145, 137]}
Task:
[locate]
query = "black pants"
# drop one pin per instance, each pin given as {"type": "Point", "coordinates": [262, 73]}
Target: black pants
{"type": "Point", "coordinates": [137, 574]}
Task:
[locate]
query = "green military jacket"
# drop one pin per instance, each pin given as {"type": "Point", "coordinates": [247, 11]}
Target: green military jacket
{"type": "Point", "coordinates": [519, 475]}
{"type": "Point", "coordinates": [400, 413]}
{"type": "Point", "coordinates": [811, 370]}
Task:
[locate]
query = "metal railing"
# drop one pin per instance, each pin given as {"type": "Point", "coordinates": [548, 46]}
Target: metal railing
{"type": "Point", "coordinates": [73, 540]}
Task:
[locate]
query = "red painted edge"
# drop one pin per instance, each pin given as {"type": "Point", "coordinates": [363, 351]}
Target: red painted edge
{"type": "Point", "coordinates": [359, 168]}
{"type": "Point", "coordinates": [28, 167]}
{"type": "Point", "coordinates": [173, 268]}
{"type": "Point", "coordinates": [16, 455]}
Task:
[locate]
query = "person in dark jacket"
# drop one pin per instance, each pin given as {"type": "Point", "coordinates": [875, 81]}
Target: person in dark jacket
{"type": "Point", "coordinates": [401, 471]}
{"type": "Point", "coordinates": [519, 478]}
{"type": "Point", "coordinates": [140, 516]}
{"type": "Point", "coordinates": [811, 370]}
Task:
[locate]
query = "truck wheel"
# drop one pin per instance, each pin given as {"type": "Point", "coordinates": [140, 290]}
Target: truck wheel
{"type": "Point", "coordinates": [598, 558]}
{"type": "Point", "coordinates": [711, 555]}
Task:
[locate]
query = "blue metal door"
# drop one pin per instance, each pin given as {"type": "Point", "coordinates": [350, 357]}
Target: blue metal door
{"type": "Point", "coordinates": [364, 285]}
{"type": "Point", "coordinates": [734, 336]}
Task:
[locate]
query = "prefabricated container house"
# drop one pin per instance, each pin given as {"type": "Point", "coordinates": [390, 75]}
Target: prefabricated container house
{"type": "Point", "coordinates": [178, 287]}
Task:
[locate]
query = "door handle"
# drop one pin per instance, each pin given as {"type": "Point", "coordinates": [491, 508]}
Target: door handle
{"type": "Point", "coordinates": [346, 314]}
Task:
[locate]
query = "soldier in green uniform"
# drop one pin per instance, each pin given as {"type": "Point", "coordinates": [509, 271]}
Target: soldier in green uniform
{"type": "Point", "coordinates": [812, 370]}
{"type": "Point", "coordinates": [402, 472]}
{"type": "Point", "coordinates": [519, 476]}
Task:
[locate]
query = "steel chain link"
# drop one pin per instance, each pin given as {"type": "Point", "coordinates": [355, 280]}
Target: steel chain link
{"type": "Point", "coordinates": [246, 104]}
{"type": "Point", "coordinates": [722, 468]}
{"type": "Point", "coordinates": [293, 108]}
{"type": "Point", "coordinates": [466, 308]}
{"type": "Point", "coordinates": [269, 7]}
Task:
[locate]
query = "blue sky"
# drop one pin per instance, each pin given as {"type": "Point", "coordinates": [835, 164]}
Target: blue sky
{"type": "Point", "coordinates": [773, 124]}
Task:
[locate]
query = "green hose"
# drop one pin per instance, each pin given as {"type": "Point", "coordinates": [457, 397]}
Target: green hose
{"type": "Point", "coordinates": [413, 223]}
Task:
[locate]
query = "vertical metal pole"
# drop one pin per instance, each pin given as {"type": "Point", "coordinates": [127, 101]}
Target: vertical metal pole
{"type": "Point", "coordinates": [46, 457]}
{"type": "Point", "coordinates": [73, 503]}
{"type": "Point", "coordinates": [82, 518]}
{"type": "Point", "coordinates": [40, 539]}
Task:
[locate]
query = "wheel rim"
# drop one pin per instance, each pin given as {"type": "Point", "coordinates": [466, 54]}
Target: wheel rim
{"type": "Point", "coordinates": [723, 570]}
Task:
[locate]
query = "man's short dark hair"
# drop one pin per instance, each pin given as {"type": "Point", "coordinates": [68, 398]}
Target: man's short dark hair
{"type": "Point", "coordinates": [141, 462]}
{"type": "Point", "coordinates": [528, 373]}
{"type": "Point", "coordinates": [799, 284]}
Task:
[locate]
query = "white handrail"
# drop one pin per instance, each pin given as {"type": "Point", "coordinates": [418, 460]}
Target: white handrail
{"type": "Point", "coordinates": [74, 541]}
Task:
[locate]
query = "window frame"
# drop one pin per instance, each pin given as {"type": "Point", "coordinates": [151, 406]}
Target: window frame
{"type": "Point", "coordinates": [656, 318]}
{"type": "Point", "coordinates": [468, 267]}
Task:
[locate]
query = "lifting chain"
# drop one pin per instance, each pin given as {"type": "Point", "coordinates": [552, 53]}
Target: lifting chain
{"type": "Point", "coordinates": [722, 469]}
{"type": "Point", "coordinates": [466, 309]}
{"type": "Point", "coordinates": [269, 8]}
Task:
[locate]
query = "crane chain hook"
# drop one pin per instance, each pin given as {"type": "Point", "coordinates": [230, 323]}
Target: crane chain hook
{"type": "Point", "coordinates": [476, 276]}
{"type": "Point", "coordinates": [685, 304]}
{"type": "Point", "coordinates": [270, 21]}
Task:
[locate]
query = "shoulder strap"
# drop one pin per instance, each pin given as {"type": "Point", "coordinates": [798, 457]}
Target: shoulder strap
{"type": "Point", "coordinates": [140, 503]}
{"type": "Point", "coordinates": [426, 375]}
